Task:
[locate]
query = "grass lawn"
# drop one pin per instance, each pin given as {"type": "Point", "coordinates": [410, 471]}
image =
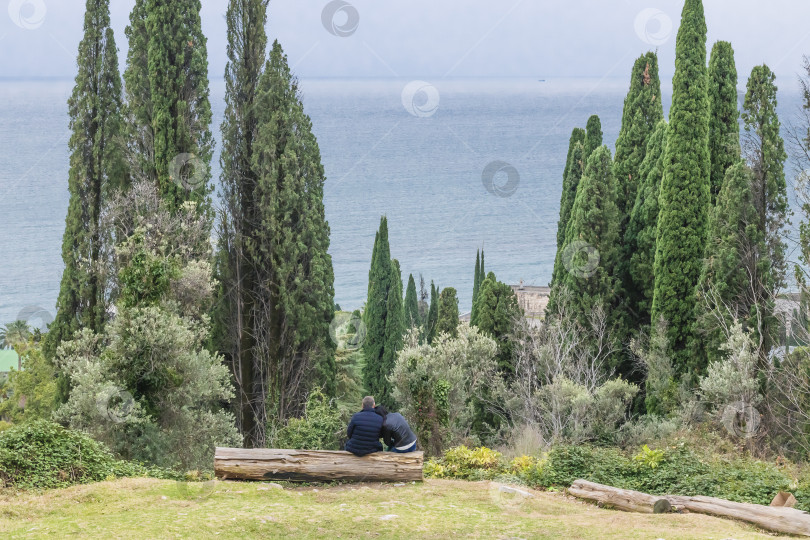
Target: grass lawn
{"type": "Point", "coordinates": [147, 508]}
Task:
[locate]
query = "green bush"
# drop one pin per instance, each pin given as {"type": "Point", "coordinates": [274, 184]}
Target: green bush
{"type": "Point", "coordinates": [674, 470]}
{"type": "Point", "coordinates": [42, 454]}
{"type": "Point", "coordinates": [321, 428]}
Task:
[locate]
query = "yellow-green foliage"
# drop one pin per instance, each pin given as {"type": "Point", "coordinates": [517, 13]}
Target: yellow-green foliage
{"type": "Point", "coordinates": [463, 462]}
{"type": "Point", "coordinates": [522, 464]}
{"type": "Point", "coordinates": [649, 458]}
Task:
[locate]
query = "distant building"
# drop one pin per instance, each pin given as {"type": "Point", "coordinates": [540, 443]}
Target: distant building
{"type": "Point", "coordinates": [532, 299]}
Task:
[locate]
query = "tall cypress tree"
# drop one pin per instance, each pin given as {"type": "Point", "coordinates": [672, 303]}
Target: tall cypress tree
{"type": "Point", "coordinates": [498, 312]}
{"type": "Point", "coordinates": [383, 317]}
{"type": "Point", "coordinates": [394, 329]}
{"type": "Point", "coordinates": [592, 280]}
{"type": "Point", "coordinates": [169, 112]}
{"type": "Point", "coordinates": [288, 245]}
{"type": "Point", "coordinates": [571, 177]}
{"type": "Point", "coordinates": [724, 129]}
{"type": "Point", "coordinates": [573, 163]}
{"type": "Point", "coordinates": [593, 137]}
{"type": "Point", "coordinates": [639, 243]}
{"type": "Point", "coordinates": [724, 281]}
{"type": "Point", "coordinates": [684, 197]}
{"type": "Point", "coordinates": [96, 171]}
{"type": "Point", "coordinates": [765, 153]}
{"type": "Point", "coordinates": [433, 314]}
{"type": "Point", "coordinates": [412, 318]}
{"type": "Point", "coordinates": [573, 174]}
{"type": "Point", "coordinates": [235, 334]}
{"type": "Point", "coordinates": [476, 286]}
{"type": "Point", "coordinates": [447, 321]}
{"type": "Point", "coordinates": [643, 109]}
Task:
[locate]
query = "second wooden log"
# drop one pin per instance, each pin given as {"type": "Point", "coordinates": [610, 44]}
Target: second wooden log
{"type": "Point", "coordinates": [622, 499]}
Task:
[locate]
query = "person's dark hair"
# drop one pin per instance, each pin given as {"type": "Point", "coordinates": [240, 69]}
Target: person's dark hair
{"type": "Point", "coordinates": [381, 410]}
{"type": "Point", "coordinates": [368, 402]}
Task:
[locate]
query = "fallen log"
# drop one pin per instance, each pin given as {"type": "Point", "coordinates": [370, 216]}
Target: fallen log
{"type": "Point", "coordinates": [622, 499]}
{"type": "Point", "coordinates": [771, 518]}
{"type": "Point", "coordinates": [316, 465]}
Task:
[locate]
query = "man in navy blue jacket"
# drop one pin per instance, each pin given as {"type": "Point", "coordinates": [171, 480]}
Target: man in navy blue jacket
{"type": "Point", "coordinates": [364, 430]}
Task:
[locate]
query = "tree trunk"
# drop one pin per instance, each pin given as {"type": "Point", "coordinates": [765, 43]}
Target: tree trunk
{"type": "Point", "coordinates": [771, 518]}
{"type": "Point", "coordinates": [622, 499]}
{"type": "Point", "coordinates": [316, 465]}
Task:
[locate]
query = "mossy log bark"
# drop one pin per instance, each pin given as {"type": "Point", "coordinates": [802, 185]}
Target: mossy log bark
{"type": "Point", "coordinates": [316, 465]}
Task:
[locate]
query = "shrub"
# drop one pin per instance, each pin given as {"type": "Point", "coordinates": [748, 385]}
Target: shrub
{"type": "Point", "coordinates": [321, 427]}
{"type": "Point", "coordinates": [649, 458]}
{"type": "Point", "coordinates": [42, 454]}
{"type": "Point", "coordinates": [449, 389]}
{"type": "Point", "coordinates": [466, 463]}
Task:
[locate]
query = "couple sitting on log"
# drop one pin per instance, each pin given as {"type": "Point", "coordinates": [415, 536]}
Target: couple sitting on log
{"type": "Point", "coordinates": [373, 422]}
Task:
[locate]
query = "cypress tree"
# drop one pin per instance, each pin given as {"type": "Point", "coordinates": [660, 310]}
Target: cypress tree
{"type": "Point", "coordinates": [412, 318]}
{"type": "Point", "coordinates": [574, 169]}
{"type": "Point", "coordinates": [684, 196]}
{"type": "Point", "coordinates": [234, 325]}
{"type": "Point", "coordinates": [383, 317]}
{"type": "Point", "coordinates": [594, 225]}
{"type": "Point", "coordinates": [498, 310]}
{"type": "Point", "coordinates": [573, 162]}
{"type": "Point", "coordinates": [746, 265]}
{"type": "Point", "coordinates": [447, 322]}
{"type": "Point", "coordinates": [593, 137]}
{"type": "Point", "coordinates": [476, 286]}
{"type": "Point", "coordinates": [288, 245]}
{"type": "Point", "coordinates": [642, 229]}
{"type": "Point", "coordinates": [765, 153]}
{"type": "Point", "coordinates": [394, 329]}
{"type": "Point", "coordinates": [433, 314]}
{"type": "Point", "coordinates": [724, 128]}
{"type": "Point", "coordinates": [571, 177]}
{"type": "Point", "coordinates": [96, 171]}
{"type": "Point", "coordinates": [643, 110]}
{"type": "Point", "coordinates": [724, 281]}
{"type": "Point", "coordinates": [169, 112]}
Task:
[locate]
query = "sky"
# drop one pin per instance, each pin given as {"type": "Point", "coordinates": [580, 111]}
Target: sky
{"type": "Point", "coordinates": [435, 39]}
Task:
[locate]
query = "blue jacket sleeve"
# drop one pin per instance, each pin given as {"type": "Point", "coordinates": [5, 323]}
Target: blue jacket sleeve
{"type": "Point", "coordinates": [350, 429]}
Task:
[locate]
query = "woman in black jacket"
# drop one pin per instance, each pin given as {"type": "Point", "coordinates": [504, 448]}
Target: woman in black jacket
{"type": "Point", "coordinates": [396, 432]}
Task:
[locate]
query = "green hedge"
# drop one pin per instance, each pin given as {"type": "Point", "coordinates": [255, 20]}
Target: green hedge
{"type": "Point", "coordinates": [43, 454]}
{"type": "Point", "coordinates": [675, 471]}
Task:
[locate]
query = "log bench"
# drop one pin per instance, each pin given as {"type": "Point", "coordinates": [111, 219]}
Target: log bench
{"type": "Point", "coordinates": [316, 465]}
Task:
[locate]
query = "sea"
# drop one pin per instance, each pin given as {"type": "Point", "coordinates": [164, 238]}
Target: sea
{"type": "Point", "coordinates": [456, 165]}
